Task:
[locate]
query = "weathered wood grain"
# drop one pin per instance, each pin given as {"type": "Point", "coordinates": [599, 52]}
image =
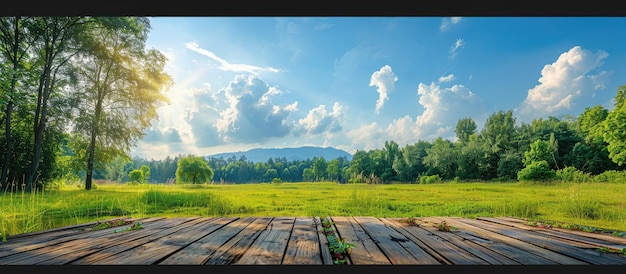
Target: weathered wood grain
{"type": "Point", "coordinates": [303, 247]}
{"type": "Point", "coordinates": [396, 246]}
{"type": "Point", "coordinates": [270, 246]}
{"type": "Point", "coordinates": [232, 250]}
{"type": "Point", "coordinates": [301, 241]}
{"type": "Point", "coordinates": [366, 251]}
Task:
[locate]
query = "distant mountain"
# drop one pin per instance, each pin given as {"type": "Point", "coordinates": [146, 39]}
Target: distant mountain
{"type": "Point", "coordinates": [291, 154]}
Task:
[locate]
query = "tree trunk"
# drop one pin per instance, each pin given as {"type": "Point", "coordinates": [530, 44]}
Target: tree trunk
{"type": "Point", "coordinates": [92, 144]}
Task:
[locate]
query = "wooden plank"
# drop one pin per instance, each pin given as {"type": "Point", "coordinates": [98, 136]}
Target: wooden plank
{"type": "Point", "coordinates": [127, 245]}
{"type": "Point", "coordinates": [200, 251]}
{"type": "Point", "coordinates": [463, 242]}
{"type": "Point", "coordinates": [154, 251]}
{"type": "Point", "coordinates": [366, 251]}
{"type": "Point", "coordinates": [592, 240]}
{"type": "Point", "coordinates": [108, 240]}
{"type": "Point", "coordinates": [232, 250]}
{"type": "Point", "coordinates": [38, 240]}
{"type": "Point", "coordinates": [551, 244]}
{"type": "Point", "coordinates": [63, 230]}
{"type": "Point", "coordinates": [270, 246]}
{"type": "Point", "coordinates": [303, 247]}
{"type": "Point", "coordinates": [65, 249]}
{"type": "Point", "coordinates": [512, 248]}
{"type": "Point", "coordinates": [437, 246]}
{"type": "Point", "coordinates": [396, 246]}
{"type": "Point", "coordinates": [324, 252]}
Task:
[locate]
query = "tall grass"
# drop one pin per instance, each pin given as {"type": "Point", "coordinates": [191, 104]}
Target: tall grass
{"type": "Point", "coordinates": [591, 204]}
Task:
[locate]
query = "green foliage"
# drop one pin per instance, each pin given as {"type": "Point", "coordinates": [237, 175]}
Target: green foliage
{"type": "Point", "coordinates": [464, 128]}
{"type": "Point", "coordinates": [277, 181]}
{"type": "Point", "coordinates": [537, 171]}
{"type": "Point", "coordinates": [432, 179]}
{"type": "Point", "coordinates": [193, 169]}
{"type": "Point", "coordinates": [539, 151]}
{"type": "Point", "coordinates": [136, 177]}
{"type": "Point", "coordinates": [572, 174]}
{"type": "Point", "coordinates": [612, 176]}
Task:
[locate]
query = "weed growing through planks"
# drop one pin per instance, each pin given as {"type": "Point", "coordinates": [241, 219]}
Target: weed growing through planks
{"type": "Point", "coordinates": [338, 248]}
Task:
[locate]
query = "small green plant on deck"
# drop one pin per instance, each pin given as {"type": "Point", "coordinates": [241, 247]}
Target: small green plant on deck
{"type": "Point", "coordinates": [109, 224]}
{"type": "Point", "coordinates": [136, 225]}
{"type": "Point", "coordinates": [445, 227]}
{"type": "Point", "coordinates": [338, 248]}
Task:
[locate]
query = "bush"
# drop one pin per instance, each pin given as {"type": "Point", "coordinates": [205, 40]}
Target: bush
{"type": "Point", "coordinates": [277, 181]}
{"type": "Point", "coordinates": [537, 171]}
{"type": "Point", "coordinates": [572, 174]}
{"type": "Point", "coordinates": [430, 179]}
{"type": "Point", "coordinates": [610, 176]}
{"type": "Point", "coordinates": [136, 177]}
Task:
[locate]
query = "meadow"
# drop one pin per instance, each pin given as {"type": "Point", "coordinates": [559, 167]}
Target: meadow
{"type": "Point", "coordinates": [597, 205]}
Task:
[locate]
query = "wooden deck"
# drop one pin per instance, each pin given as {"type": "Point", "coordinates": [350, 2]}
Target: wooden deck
{"type": "Point", "coordinates": [300, 241]}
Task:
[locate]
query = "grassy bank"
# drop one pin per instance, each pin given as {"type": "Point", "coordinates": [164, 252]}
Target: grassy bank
{"type": "Point", "coordinates": [599, 205]}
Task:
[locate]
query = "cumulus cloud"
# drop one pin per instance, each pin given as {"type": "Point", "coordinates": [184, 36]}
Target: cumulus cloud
{"type": "Point", "coordinates": [571, 77]}
{"type": "Point", "coordinates": [226, 66]}
{"type": "Point", "coordinates": [454, 49]}
{"type": "Point", "coordinates": [448, 21]}
{"type": "Point", "coordinates": [319, 120]}
{"type": "Point", "coordinates": [443, 107]}
{"type": "Point", "coordinates": [368, 137]}
{"type": "Point", "coordinates": [384, 80]}
{"type": "Point", "coordinates": [252, 116]}
{"type": "Point", "coordinates": [200, 116]}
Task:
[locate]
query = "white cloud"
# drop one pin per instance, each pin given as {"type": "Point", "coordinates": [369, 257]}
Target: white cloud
{"type": "Point", "coordinates": [454, 49]}
{"type": "Point", "coordinates": [447, 78]}
{"type": "Point", "coordinates": [448, 21]}
{"type": "Point", "coordinates": [443, 107]}
{"type": "Point", "coordinates": [226, 66]}
{"type": "Point", "coordinates": [563, 83]}
{"type": "Point", "coordinates": [384, 80]}
{"type": "Point", "coordinates": [319, 121]}
{"type": "Point", "coordinates": [251, 117]}
{"type": "Point", "coordinates": [368, 137]}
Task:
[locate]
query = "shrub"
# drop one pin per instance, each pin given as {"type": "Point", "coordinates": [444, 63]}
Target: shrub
{"type": "Point", "coordinates": [430, 179]}
{"type": "Point", "coordinates": [136, 177]}
{"type": "Point", "coordinates": [536, 171]}
{"type": "Point", "coordinates": [610, 176]}
{"type": "Point", "coordinates": [572, 174]}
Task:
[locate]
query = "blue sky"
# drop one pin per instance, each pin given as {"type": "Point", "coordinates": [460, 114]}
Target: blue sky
{"type": "Point", "coordinates": [355, 82]}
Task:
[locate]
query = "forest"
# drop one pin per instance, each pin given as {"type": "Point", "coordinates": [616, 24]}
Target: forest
{"type": "Point", "coordinates": [76, 93]}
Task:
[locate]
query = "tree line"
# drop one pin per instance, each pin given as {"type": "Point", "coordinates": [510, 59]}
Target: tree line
{"type": "Point", "coordinates": [75, 93]}
{"type": "Point", "coordinates": [503, 150]}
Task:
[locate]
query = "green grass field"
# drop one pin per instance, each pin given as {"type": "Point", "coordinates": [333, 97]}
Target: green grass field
{"type": "Point", "coordinates": [600, 205]}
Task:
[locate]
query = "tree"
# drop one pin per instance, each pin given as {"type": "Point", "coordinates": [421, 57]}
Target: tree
{"type": "Point", "coordinates": [120, 86]}
{"type": "Point", "coordinates": [539, 151]}
{"type": "Point", "coordinates": [615, 128]}
{"type": "Point", "coordinates": [14, 44]}
{"type": "Point", "coordinates": [319, 168]}
{"type": "Point", "coordinates": [146, 172]}
{"type": "Point", "coordinates": [57, 42]}
{"type": "Point", "coordinates": [471, 158]}
{"type": "Point", "coordinates": [193, 169]}
{"type": "Point", "coordinates": [136, 176]}
{"type": "Point", "coordinates": [497, 135]}
{"type": "Point", "coordinates": [442, 157]}
{"type": "Point", "coordinates": [464, 128]}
